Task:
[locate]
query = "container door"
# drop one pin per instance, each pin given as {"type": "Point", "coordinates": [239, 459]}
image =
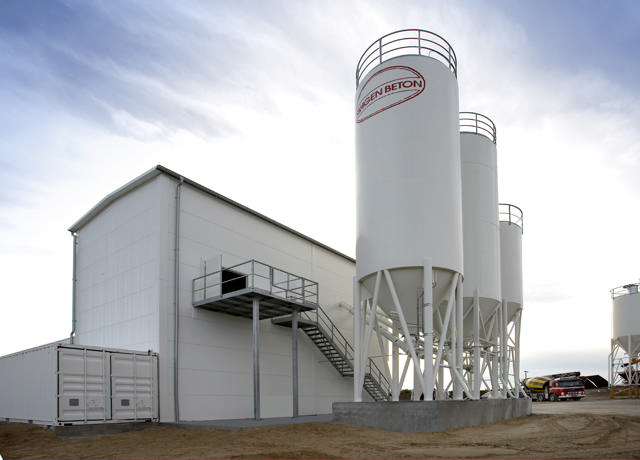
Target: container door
{"type": "Point", "coordinates": [134, 394]}
{"type": "Point", "coordinates": [83, 385]}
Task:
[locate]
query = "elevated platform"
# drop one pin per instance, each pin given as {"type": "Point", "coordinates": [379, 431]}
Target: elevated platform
{"type": "Point", "coordinates": [239, 303]}
{"type": "Point", "coordinates": [232, 291]}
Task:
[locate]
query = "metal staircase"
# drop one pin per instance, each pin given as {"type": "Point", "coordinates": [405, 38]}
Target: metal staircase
{"type": "Point", "coordinates": [334, 346]}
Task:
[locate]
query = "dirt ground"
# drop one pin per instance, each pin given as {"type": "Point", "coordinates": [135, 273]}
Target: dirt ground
{"type": "Point", "coordinates": [578, 435]}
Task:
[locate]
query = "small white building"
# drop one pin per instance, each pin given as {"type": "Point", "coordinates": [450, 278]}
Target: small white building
{"type": "Point", "coordinates": [140, 256]}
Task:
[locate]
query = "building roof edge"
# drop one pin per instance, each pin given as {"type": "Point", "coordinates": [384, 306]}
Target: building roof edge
{"type": "Point", "coordinates": [159, 169]}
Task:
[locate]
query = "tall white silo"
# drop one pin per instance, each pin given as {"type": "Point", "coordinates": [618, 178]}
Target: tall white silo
{"type": "Point", "coordinates": [625, 321]}
{"type": "Point", "coordinates": [409, 216]}
{"type": "Point", "coordinates": [624, 360]}
{"type": "Point", "coordinates": [481, 234]}
{"type": "Point", "coordinates": [511, 226]}
{"type": "Point", "coordinates": [511, 257]}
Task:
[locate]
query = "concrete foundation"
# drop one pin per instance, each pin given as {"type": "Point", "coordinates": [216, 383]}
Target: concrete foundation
{"type": "Point", "coordinates": [409, 416]}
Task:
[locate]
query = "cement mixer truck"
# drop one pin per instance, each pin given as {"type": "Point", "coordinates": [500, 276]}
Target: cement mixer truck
{"type": "Point", "coordinates": [552, 388]}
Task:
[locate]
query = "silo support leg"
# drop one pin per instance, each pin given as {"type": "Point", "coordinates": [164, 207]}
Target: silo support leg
{"type": "Point", "coordinates": [445, 324]}
{"type": "Point", "coordinates": [427, 324]}
{"type": "Point", "coordinates": [372, 320]}
{"type": "Point", "coordinates": [457, 332]}
{"type": "Point", "coordinates": [477, 359]}
{"type": "Point", "coordinates": [405, 327]}
{"type": "Point", "coordinates": [357, 341]}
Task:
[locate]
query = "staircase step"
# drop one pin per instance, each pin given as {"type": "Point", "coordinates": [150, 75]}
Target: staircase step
{"type": "Point", "coordinates": [335, 356]}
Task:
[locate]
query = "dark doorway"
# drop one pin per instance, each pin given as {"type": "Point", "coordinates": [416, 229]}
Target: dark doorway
{"type": "Point", "coordinates": [233, 281]}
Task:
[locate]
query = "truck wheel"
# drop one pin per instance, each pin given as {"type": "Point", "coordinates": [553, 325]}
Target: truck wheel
{"type": "Point", "coordinates": [553, 397]}
{"type": "Point", "coordinates": [540, 397]}
{"type": "Point", "coordinates": [577, 399]}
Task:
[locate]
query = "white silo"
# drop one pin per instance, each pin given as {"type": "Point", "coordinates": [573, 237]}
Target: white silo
{"type": "Point", "coordinates": [409, 217]}
{"type": "Point", "coordinates": [624, 360]}
{"type": "Point", "coordinates": [625, 322]}
{"type": "Point", "coordinates": [481, 233]}
{"type": "Point", "coordinates": [511, 257]}
{"type": "Point", "coordinates": [511, 226]}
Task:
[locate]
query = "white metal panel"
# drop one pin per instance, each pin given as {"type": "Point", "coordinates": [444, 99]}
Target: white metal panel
{"type": "Point", "coordinates": [408, 180]}
{"type": "Point", "coordinates": [133, 386]}
{"type": "Point", "coordinates": [625, 324]}
{"type": "Point", "coordinates": [83, 385]}
{"type": "Point", "coordinates": [28, 385]}
{"type": "Point", "coordinates": [117, 272]}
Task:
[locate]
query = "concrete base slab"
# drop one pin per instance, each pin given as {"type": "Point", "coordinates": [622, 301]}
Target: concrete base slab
{"type": "Point", "coordinates": [87, 430]}
{"type": "Point", "coordinates": [409, 416]}
{"type": "Point", "coordinates": [238, 424]}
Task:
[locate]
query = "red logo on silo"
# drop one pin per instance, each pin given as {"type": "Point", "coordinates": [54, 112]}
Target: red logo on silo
{"type": "Point", "coordinates": [387, 88]}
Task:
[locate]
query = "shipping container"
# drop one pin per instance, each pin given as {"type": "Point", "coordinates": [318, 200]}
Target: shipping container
{"type": "Point", "coordinates": [60, 384]}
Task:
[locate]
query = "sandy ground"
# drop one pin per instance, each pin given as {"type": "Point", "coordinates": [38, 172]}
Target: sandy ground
{"type": "Point", "coordinates": [559, 435]}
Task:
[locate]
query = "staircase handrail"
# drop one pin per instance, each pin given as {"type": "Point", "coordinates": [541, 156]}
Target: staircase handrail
{"type": "Point", "coordinates": [323, 322]}
{"type": "Point", "coordinates": [327, 326]}
{"type": "Point", "coordinates": [378, 376]}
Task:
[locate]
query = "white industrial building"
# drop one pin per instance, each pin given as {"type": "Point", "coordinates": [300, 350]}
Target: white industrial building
{"type": "Point", "coordinates": [139, 258]}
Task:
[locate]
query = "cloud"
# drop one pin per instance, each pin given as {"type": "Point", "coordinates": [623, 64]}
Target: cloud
{"type": "Point", "coordinates": [255, 100]}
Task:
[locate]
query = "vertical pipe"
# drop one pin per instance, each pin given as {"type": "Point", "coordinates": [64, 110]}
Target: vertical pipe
{"type": "Point", "coordinates": [256, 358]}
{"type": "Point", "coordinates": [357, 346]}
{"type": "Point", "coordinates": [294, 359]}
{"type": "Point", "coordinates": [395, 385]}
{"type": "Point", "coordinates": [176, 303]}
{"type": "Point", "coordinates": [505, 349]}
{"type": "Point", "coordinates": [427, 325]}
{"type": "Point", "coordinates": [74, 282]}
{"type": "Point", "coordinates": [418, 384]}
{"type": "Point", "coordinates": [440, 384]}
{"type": "Point", "coordinates": [459, 339]}
{"type": "Point", "coordinates": [477, 360]}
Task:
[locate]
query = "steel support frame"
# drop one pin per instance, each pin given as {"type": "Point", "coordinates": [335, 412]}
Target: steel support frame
{"type": "Point", "coordinates": [624, 369]}
{"type": "Point", "coordinates": [425, 365]}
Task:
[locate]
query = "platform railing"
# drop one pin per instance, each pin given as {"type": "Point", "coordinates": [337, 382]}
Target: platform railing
{"type": "Point", "coordinates": [626, 289]}
{"type": "Point", "coordinates": [476, 123]}
{"type": "Point", "coordinates": [255, 275]}
{"type": "Point", "coordinates": [510, 213]}
{"type": "Point", "coordinates": [406, 42]}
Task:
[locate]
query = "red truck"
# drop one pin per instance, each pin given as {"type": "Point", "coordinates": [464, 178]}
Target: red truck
{"type": "Point", "coordinates": [554, 389]}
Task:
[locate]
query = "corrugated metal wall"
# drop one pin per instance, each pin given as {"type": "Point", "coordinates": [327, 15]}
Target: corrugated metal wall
{"type": "Point", "coordinates": [57, 384]}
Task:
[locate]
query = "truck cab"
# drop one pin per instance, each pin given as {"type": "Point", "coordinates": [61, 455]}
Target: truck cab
{"type": "Point", "coordinates": [566, 388]}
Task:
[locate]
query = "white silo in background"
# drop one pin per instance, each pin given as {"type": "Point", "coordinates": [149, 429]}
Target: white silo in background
{"type": "Point", "coordinates": [511, 227]}
{"type": "Point", "coordinates": [409, 217]}
{"type": "Point", "coordinates": [481, 235]}
{"type": "Point", "coordinates": [624, 360]}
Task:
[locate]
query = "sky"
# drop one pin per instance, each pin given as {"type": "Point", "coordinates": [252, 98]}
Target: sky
{"type": "Point", "coordinates": [255, 100]}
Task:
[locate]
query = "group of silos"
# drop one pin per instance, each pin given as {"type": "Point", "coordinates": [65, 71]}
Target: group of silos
{"type": "Point", "coordinates": [435, 252]}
